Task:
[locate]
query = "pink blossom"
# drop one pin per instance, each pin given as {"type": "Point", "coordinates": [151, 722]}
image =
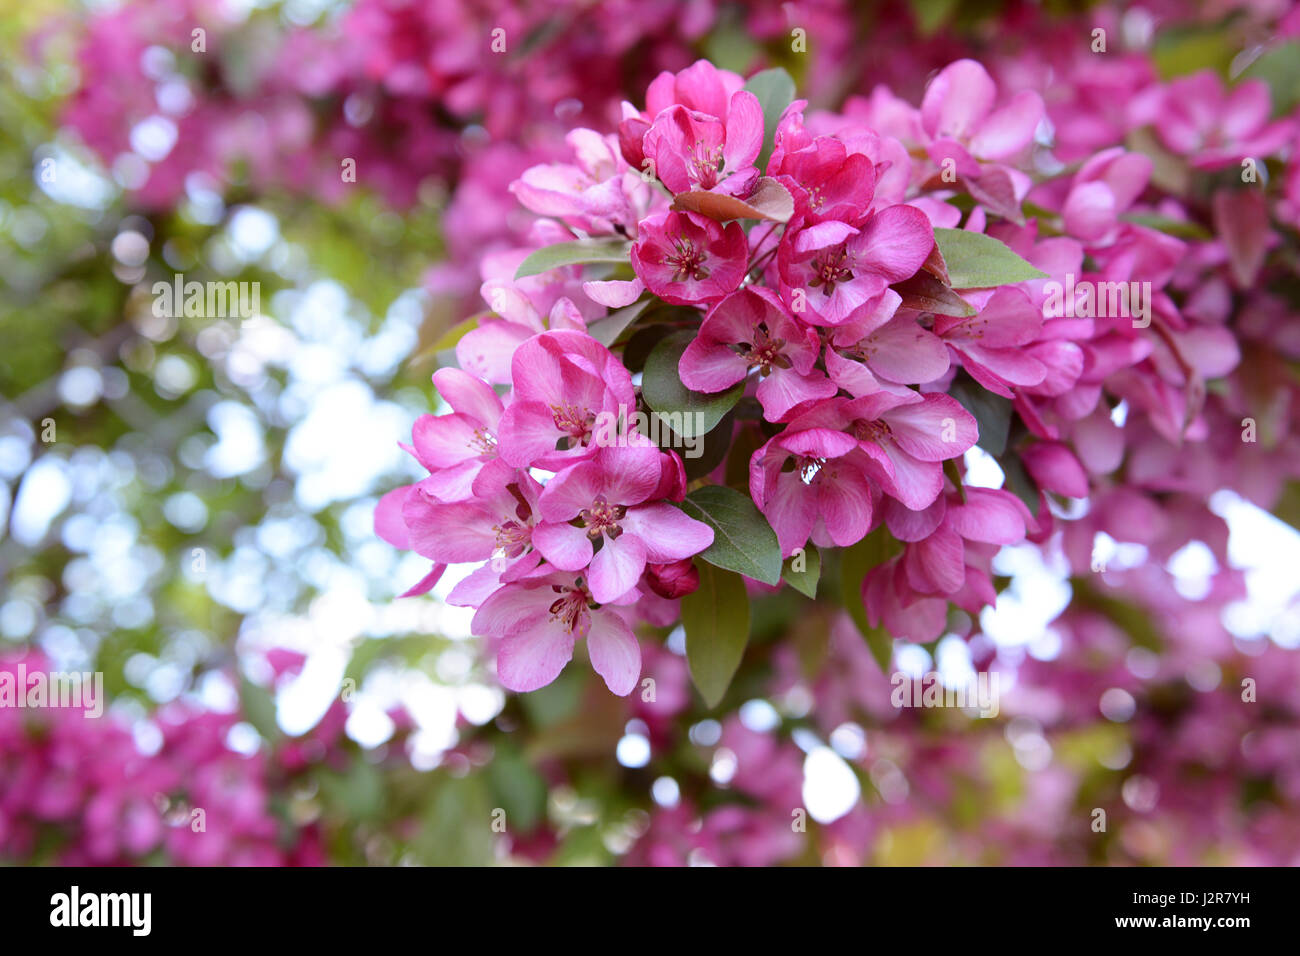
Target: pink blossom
{"type": "Point", "coordinates": [610, 498]}
{"type": "Point", "coordinates": [687, 259]}
{"type": "Point", "coordinates": [562, 381]}
{"type": "Point", "coordinates": [831, 271]}
{"type": "Point", "coordinates": [536, 623]}
{"type": "Point", "coordinates": [752, 329]}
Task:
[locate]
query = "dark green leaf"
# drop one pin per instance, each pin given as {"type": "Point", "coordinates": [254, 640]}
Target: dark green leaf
{"type": "Point", "coordinates": [573, 253]}
{"type": "Point", "coordinates": [977, 261]}
{"type": "Point", "coordinates": [805, 581]}
{"type": "Point", "coordinates": [607, 330]}
{"type": "Point", "coordinates": [688, 413]}
{"type": "Point", "coordinates": [716, 619]}
{"type": "Point", "coordinates": [743, 541]}
{"type": "Point", "coordinates": [992, 412]}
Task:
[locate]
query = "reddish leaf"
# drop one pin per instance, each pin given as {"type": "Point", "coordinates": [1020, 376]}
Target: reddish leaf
{"type": "Point", "coordinates": [769, 200]}
{"type": "Point", "coordinates": [924, 293]}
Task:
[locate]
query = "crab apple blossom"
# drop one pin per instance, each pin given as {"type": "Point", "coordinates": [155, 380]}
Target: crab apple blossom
{"type": "Point", "coordinates": [687, 259]}
{"type": "Point", "coordinates": [752, 329]}
{"type": "Point", "coordinates": [695, 151]}
{"type": "Point", "coordinates": [536, 623]}
{"type": "Point", "coordinates": [608, 501]}
{"type": "Point", "coordinates": [562, 381]}
{"type": "Point", "coordinates": [831, 271]}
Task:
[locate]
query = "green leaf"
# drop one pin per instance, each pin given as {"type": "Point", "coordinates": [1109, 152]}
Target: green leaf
{"type": "Point", "coordinates": [258, 705]}
{"type": "Point", "coordinates": [607, 330]}
{"type": "Point", "coordinates": [716, 618]}
{"type": "Point", "coordinates": [775, 91]}
{"type": "Point", "coordinates": [687, 413]}
{"type": "Point", "coordinates": [1280, 69]}
{"type": "Point", "coordinates": [805, 581]}
{"type": "Point", "coordinates": [1170, 227]}
{"type": "Point", "coordinates": [992, 412]}
{"type": "Point", "coordinates": [875, 549]}
{"type": "Point", "coordinates": [520, 790]}
{"type": "Point", "coordinates": [1017, 481]}
{"type": "Point", "coordinates": [743, 541]}
{"type": "Point", "coordinates": [573, 253]}
{"type": "Point", "coordinates": [977, 261]}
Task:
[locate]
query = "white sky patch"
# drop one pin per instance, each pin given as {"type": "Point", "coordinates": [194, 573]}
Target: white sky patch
{"type": "Point", "coordinates": [982, 469]}
{"type": "Point", "coordinates": [1038, 593]}
{"type": "Point", "coordinates": [45, 491]}
{"type": "Point", "coordinates": [830, 787]}
{"type": "Point", "coordinates": [1268, 549]}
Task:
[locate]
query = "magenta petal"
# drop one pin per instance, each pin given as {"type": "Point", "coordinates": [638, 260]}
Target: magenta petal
{"type": "Point", "coordinates": [475, 588]}
{"type": "Point", "coordinates": [785, 388]}
{"type": "Point", "coordinates": [616, 568]}
{"type": "Point", "coordinates": [571, 491]}
{"type": "Point", "coordinates": [957, 100]}
{"type": "Point", "coordinates": [526, 433]}
{"type": "Point", "coordinates": [488, 350]}
{"type": "Point", "coordinates": [844, 499]}
{"type": "Point", "coordinates": [818, 443]}
{"type": "Point", "coordinates": [744, 131]}
{"type": "Point", "coordinates": [630, 473]}
{"type": "Point", "coordinates": [988, 515]}
{"type": "Point", "coordinates": [1010, 129]}
{"type": "Point", "coordinates": [942, 556]}
{"type": "Point", "coordinates": [441, 441]}
{"type": "Point", "coordinates": [933, 430]}
{"type": "Point", "coordinates": [1009, 365]}
{"type": "Point", "coordinates": [452, 533]}
{"type": "Point", "coordinates": [615, 293]}
{"type": "Point", "coordinates": [894, 242]}
{"type": "Point", "coordinates": [453, 484]}
{"type": "Point", "coordinates": [535, 657]}
{"type": "Point", "coordinates": [468, 395]}
{"type": "Point", "coordinates": [914, 483]}
{"type": "Point", "coordinates": [1054, 468]}
{"type": "Point", "coordinates": [710, 366]}
{"type": "Point", "coordinates": [667, 533]}
{"type": "Point", "coordinates": [791, 510]}
{"type": "Point", "coordinates": [566, 547]}
{"type": "Point", "coordinates": [908, 525]}
{"type": "Point", "coordinates": [511, 610]}
{"type": "Point", "coordinates": [904, 352]}
{"type": "Point", "coordinates": [389, 523]}
{"type": "Point", "coordinates": [614, 651]}
{"type": "Point", "coordinates": [426, 583]}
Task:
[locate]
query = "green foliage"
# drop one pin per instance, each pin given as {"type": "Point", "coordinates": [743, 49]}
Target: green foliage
{"type": "Point", "coordinates": [573, 253]}
{"type": "Point", "coordinates": [716, 619]}
{"type": "Point", "coordinates": [977, 261]}
{"type": "Point", "coordinates": [663, 391]}
{"type": "Point", "coordinates": [743, 541]}
{"type": "Point", "coordinates": [775, 91]}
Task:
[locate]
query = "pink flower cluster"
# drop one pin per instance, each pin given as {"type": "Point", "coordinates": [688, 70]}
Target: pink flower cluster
{"type": "Point", "coordinates": [836, 309]}
{"type": "Point", "coordinates": [84, 787]}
